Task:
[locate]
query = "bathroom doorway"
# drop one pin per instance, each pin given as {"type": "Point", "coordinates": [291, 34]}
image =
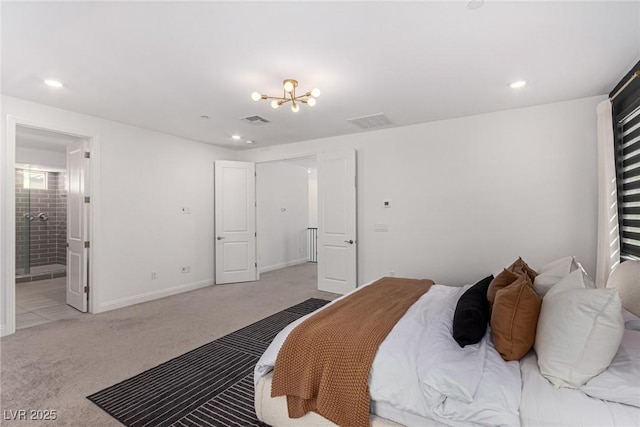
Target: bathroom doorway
{"type": "Point", "coordinates": [41, 250]}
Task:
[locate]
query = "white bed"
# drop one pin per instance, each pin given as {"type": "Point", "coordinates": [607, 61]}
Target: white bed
{"type": "Point", "coordinates": [413, 387]}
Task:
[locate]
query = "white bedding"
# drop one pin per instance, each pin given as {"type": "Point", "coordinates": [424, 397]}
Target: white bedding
{"type": "Point", "coordinates": [545, 405]}
{"type": "Point", "coordinates": [475, 387]}
{"type": "Point", "coordinates": [420, 373]}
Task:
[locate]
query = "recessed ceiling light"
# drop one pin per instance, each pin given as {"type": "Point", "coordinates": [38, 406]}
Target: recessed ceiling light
{"type": "Point", "coordinates": [250, 141]}
{"type": "Point", "coordinates": [236, 137]}
{"type": "Point", "coordinates": [475, 4]}
{"type": "Point", "coordinates": [53, 83]}
{"type": "Point", "coordinates": [516, 85]}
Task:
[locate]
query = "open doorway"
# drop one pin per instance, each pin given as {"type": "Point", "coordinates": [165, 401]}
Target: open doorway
{"type": "Point", "coordinates": [287, 214]}
{"type": "Point", "coordinates": [42, 178]}
{"type": "Point", "coordinates": [267, 249]}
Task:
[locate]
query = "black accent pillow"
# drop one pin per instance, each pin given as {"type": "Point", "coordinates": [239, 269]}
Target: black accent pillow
{"type": "Point", "coordinates": [472, 314]}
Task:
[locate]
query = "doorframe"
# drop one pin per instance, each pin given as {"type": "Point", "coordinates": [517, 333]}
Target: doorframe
{"type": "Point", "coordinates": [9, 225]}
{"type": "Point", "coordinates": [280, 158]}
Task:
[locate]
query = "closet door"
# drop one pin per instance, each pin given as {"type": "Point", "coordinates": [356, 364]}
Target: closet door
{"type": "Point", "coordinates": [235, 222]}
{"type": "Point", "coordinates": [337, 244]}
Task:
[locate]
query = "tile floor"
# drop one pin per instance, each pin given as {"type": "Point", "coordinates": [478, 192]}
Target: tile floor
{"type": "Point", "coordinates": [42, 301]}
{"type": "Point", "coordinates": [41, 272]}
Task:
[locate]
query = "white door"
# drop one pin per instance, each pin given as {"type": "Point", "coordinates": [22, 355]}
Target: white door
{"type": "Point", "coordinates": [77, 227]}
{"type": "Point", "coordinates": [337, 222]}
{"type": "Point", "coordinates": [235, 222]}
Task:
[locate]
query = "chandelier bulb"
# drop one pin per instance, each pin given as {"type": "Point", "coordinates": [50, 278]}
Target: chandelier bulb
{"type": "Point", "coordinates": [311, 102]}
{"type": "Point", "coordinates": [295, 108]}
{"type": "Point", "coordinates": [256, 96]}
{"type": "Point", "coordinates": [275, 104]}
{"type": "Point", "coordinates": [315, 92]}
{"type": "Point", "coordinates": [288, 85]}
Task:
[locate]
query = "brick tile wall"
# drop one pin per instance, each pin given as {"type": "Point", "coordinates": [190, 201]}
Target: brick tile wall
{"type": "Point", "coordinates": [41, 242]}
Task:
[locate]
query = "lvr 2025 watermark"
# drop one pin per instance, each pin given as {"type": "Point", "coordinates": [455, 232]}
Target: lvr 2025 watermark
{"type": "Point", "coordinates": [30, 414]}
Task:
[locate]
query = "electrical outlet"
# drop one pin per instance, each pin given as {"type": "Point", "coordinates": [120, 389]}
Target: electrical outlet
{"type": "Point", "coordinates": [154, 275]}
{"type": "Point", "coordinates": [185, 210]}
{"type": "Point", "coordinates": [186, 269]}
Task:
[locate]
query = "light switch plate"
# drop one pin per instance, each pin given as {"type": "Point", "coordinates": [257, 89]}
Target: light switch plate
{"type": "Point", "coordinates": [381, 227]}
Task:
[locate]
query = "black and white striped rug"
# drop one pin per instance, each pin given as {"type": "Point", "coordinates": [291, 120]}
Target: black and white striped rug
{"type": "Point", "coordinates": [209, 386]}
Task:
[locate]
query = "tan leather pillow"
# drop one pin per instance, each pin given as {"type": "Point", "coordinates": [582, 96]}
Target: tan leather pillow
{"type": "Point", "coordinates": [520, 266]}
{"type": "Point", "coordinates": [501, 281]}
{"type": "Point", "coordinates": [514, 318]}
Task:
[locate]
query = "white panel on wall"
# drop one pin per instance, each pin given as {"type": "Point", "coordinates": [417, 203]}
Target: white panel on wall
{"type": "Point", "coordinates": [336, 261]}
{"type": "Point", "coordinates": [335, 221]}
{"type": "Point", "coordinates": [235, 259]}
{"type": "Point", "coordinates": [234, 183]}
{"type": "Point", "coordinates": [75, 266]}
{"type": "Point", "coordinates": [313, 198]}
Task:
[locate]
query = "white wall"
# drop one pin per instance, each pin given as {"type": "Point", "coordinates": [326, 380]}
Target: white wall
{"type": "Point", "coordinates": [145, 177]}
{"type": "Point", "coordinates": [34, 156]}
{"type": "Point", "coordinates": [472, 194]}
{"type": "Point", "coordinates": [282, 193]}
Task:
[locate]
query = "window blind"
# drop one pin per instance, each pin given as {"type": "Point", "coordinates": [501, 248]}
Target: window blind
{"type": "Point", "coordinates": [628, 162]}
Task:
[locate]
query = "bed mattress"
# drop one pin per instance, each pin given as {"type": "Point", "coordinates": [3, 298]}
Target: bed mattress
{"type": "Point", "coordinates": [273, 411]}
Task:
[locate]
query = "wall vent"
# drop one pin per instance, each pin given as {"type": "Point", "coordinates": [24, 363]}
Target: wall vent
{"type": "Point", "coordinates": [255, 120]}
{"type": "Point", "coordinates": [372, 121]}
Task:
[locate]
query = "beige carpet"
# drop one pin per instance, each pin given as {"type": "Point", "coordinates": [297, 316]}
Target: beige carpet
{"type": "Point", "coordinates": [56, 365]}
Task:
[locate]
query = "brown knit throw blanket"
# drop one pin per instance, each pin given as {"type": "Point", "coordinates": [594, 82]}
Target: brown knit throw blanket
{"type": "Point", "coordinates": [324, 363]}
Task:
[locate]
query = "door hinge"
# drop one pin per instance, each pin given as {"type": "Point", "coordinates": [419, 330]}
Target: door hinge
{"type": "Point", "coordinates": [67, 244]}
{"type": "Point", "coordinates": [87, 155]}
{"type": "Point", "coordinates": [86, 289]}
{"type": "Point", "coordinates": [256, 264]}
{"type": "Point", "coordinates": [86, 244]}
{"type": "Point", "coordinates": [87, 199]}
{"type": "Point", "coordinates": [255, 234]}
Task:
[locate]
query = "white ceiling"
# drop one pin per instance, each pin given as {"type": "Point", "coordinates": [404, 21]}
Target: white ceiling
{"type": "Point", "coordinates": [162, 65]}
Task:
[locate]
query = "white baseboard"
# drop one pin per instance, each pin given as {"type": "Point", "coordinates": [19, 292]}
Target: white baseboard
{"type": "Point", "coordinates": [282, 265]}
{"type": "Point", "coordinates": [3, 330]}
{"type": "Point", "coordinates": [150, 296]}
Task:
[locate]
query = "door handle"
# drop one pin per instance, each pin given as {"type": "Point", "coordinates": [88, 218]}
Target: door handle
{"type": "Point", "coordinates": [349, 242]}
{"type": "Point", "coordinates": [219, 237]}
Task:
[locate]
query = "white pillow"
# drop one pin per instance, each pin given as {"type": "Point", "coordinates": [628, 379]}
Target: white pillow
{"type": "Point", "coordinates": [577, 279]}
{"type": "Point", "coordinates": [560, 267]}
{"type": "Point", "coordinates": [620, 382]}
{"type": "Point", "coordinates": [579, 331]}
{"type": "Point", "coordinates": [550, 274]}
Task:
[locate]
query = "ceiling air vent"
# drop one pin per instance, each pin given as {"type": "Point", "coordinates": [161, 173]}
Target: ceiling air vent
{"type": "Point", "coordinates": [255, 120]}
{"type": "Point", "coordinates": [372, 121]}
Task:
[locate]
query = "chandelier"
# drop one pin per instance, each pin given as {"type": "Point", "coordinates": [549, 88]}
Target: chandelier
{"type": "Point", "coordinates": [289, 95]}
